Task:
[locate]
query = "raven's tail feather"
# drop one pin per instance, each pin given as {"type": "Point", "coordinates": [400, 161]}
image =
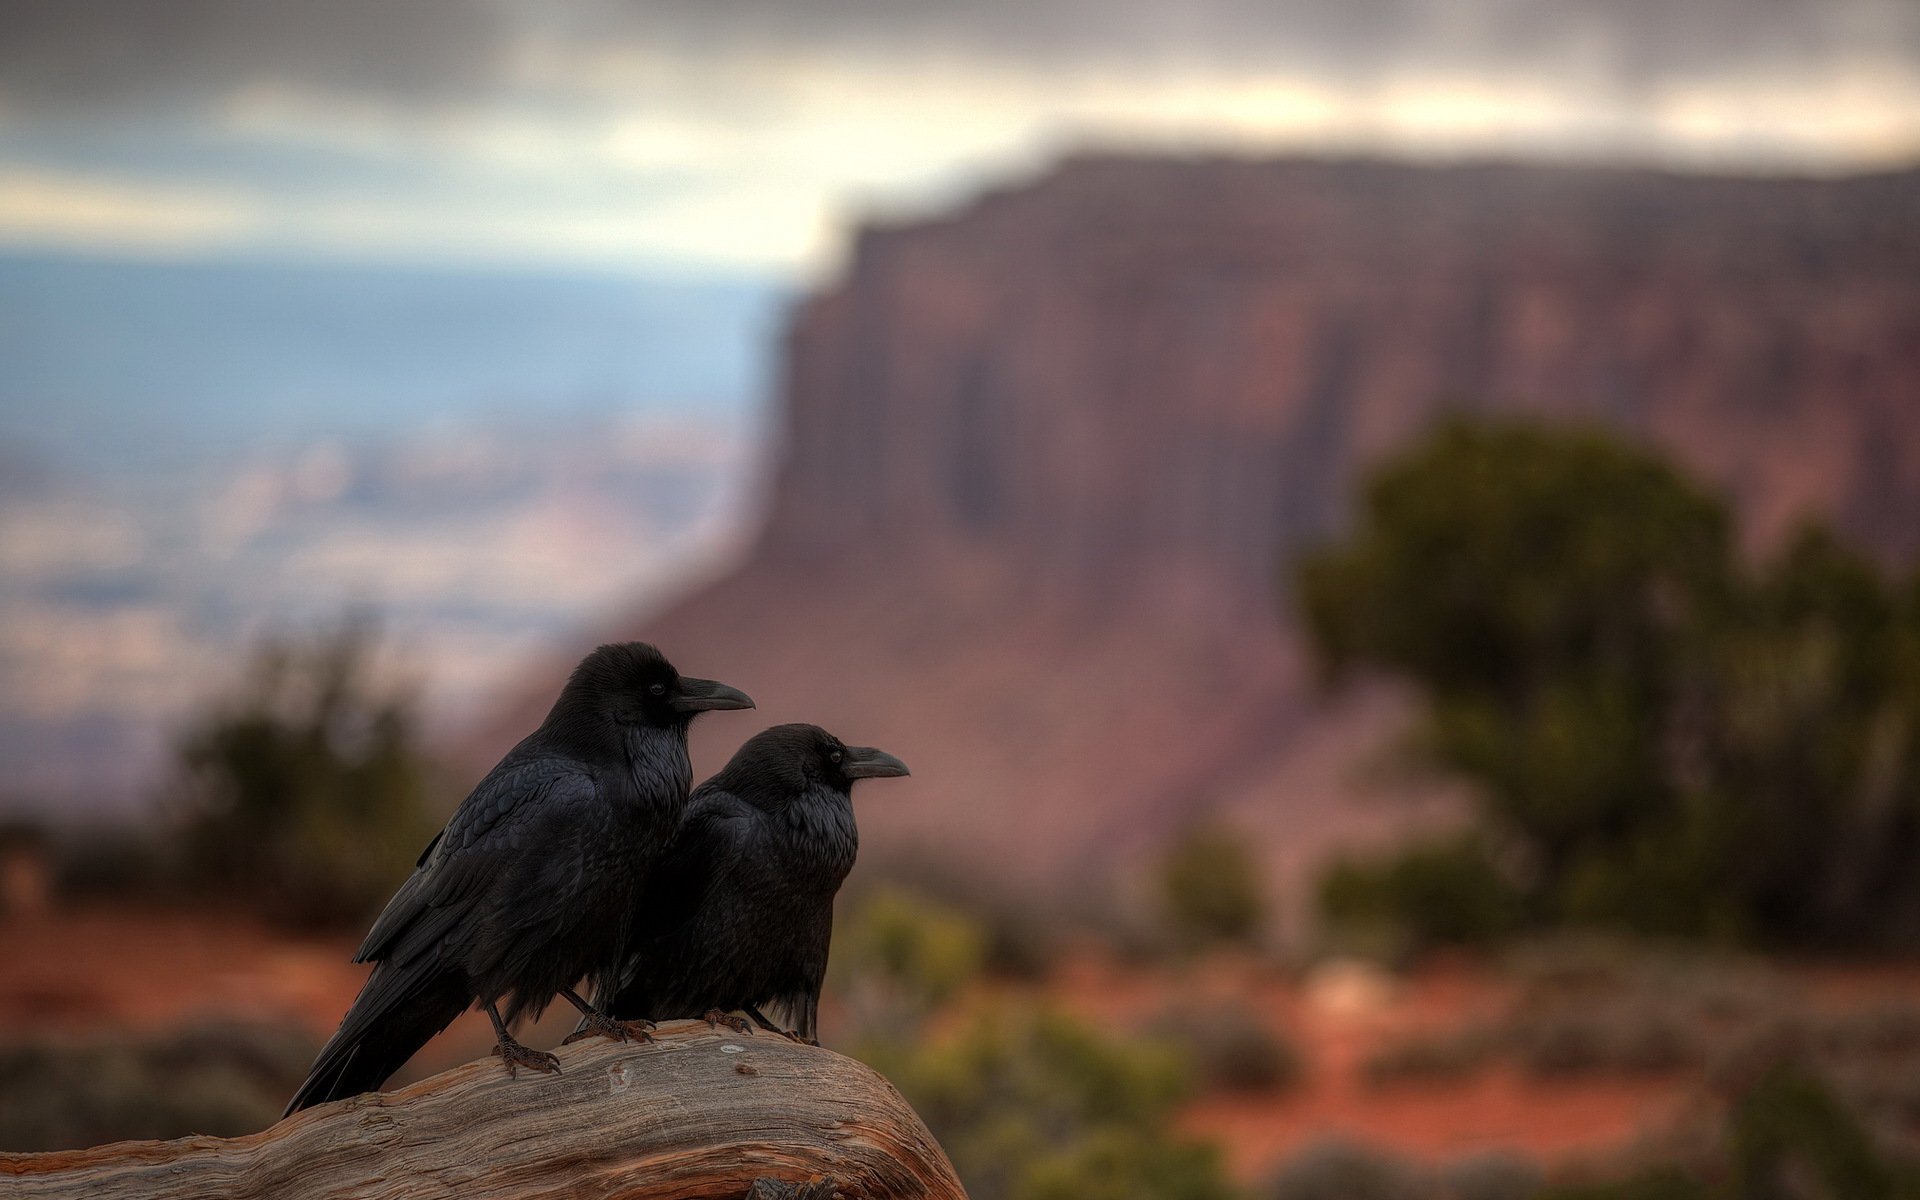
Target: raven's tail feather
{"type": "Point", "coordinates": [398, 1011]}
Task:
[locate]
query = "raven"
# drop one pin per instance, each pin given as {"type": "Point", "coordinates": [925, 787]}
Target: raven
{"type": "Point", "coordinates": [738, 913]}
{"type": "Point", "coordinates": [528, 888]}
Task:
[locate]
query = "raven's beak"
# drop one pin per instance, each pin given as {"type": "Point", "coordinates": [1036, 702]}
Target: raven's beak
{"type": "Point", "coordinates": [864, 762]}
{"type": "Point", "coordinates": [704, 695]}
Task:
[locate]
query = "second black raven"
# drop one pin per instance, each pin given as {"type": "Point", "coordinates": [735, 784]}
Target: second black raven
{"type": "Point", "coordinates": [528, 888]}
{"type": "Point", "coordinates": [739, 912]}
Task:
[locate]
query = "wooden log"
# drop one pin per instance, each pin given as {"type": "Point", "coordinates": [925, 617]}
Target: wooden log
{"type": "Point", "coordinates": [701, 1114]}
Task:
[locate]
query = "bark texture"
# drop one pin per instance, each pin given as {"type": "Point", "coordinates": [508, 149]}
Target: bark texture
{"type": "Point", "coordinates": [699, 1115]}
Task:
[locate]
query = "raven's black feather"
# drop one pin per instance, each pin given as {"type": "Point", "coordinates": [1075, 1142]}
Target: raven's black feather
{"type": "Point", "coordinates": [738, 914]}
{"type": "Point", "coordinates": [528, 888]}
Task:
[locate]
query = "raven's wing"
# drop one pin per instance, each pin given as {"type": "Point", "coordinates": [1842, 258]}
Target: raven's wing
{"type": "Point", "coordinates": [718, 837]}
{"type": "Point", "coordinates": [715, 838]}
{"type": "Point", "coordinates": [494, 825]}
{"type": "Point", "coordinates": [812, 938]}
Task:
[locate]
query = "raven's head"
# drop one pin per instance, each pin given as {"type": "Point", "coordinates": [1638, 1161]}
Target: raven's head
{"type": "Point", "coordinates": [634, 684]}
{"type": "Point", "coordinates": [797, 757]}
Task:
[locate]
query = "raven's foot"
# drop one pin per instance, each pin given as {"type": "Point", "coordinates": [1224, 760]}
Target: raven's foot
{"type": "Point", "coordinates": [716, 1018]}
{"type": "Point", "coordinates": [595, 1024]}
{"type": "Point", "coordinates": [516, 1056]}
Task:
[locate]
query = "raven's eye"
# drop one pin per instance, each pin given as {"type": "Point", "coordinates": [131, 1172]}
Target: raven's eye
{"type": "Point", "coordinates": [835, 756]}
{"type": "Point", "coordinates": [658, 689]}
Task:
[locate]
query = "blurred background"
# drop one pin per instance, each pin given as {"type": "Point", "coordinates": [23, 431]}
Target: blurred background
{"type": "Point", "coordinates": [1385, 530]}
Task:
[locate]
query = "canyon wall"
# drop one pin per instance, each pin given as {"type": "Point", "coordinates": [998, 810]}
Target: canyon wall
{"type": "Point", "coordinates": [1044, 459]}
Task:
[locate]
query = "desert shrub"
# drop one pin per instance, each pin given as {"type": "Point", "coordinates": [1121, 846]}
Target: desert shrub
{"type": "Point", "coordinates": [1791, 1131]}
{"type": "Point", "coordinates": [1447, 892]}
{"type": "Point", "coordinates": [1867, 1058]}
{"type": "Point", "coordinates": [1591, 1005]}
{"type": "Point", "coordinates": [1019, 944]}
{"type": "Point", "coordinates": [1492, 1175]}
{"type": "Point", "coordinates": [1428, 1059]}
{"type": "Point", "coordinates": [1789, 1134]}
{"type": "Point", "coordinates": [1120, 1166]}
{"type": "Point", "coordinates": [1022, 932]}
{"type": "Point", "coordinates": [1587, 1006]}
{"type": "Point", "coordinates": [1657, 1183]}
{"type": "Point", "coordinates": [1033, 1105]}
{"type": "Point", "coordinates": [1719, 984]}
{"type": "Point", "coordinates": [1337, 1169]}
{"type": "Point", "coordinates": [306, 792]}
{"type": "Point", "coordinates": [112, 862]}
{"type": "Point", "coordinates": [1230, 1048]}
{"type": "Point", "coordinates": [221, 1079]}
{"type": "Point", "coordinates": [1210, 889]}
{"type": "Point", "coordinates": [1882, 1028]}
{"type": "Point", "coordinates": [919, 951]}
{"type": "Point", "coordinates": [1616, 1038]}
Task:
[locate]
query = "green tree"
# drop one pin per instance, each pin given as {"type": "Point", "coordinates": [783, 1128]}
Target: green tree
{"type": "Point", "coordinates": [1448, 891]}
{"type": "Point", "coordinates": [1808, 762]}
{"type": "Point", "coordinates": [307, 790]}
{"type": "Point", "coordinates": [1666, 736]}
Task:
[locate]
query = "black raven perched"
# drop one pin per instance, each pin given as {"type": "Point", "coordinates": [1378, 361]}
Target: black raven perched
{"type": "Point", "coordinates": [739, 912]}
{"type": "Point", "coordinates": [528, 889]}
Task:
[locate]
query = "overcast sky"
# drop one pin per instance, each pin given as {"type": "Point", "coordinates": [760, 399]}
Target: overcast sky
{"type": "Point", "coordinates": [741, 134]}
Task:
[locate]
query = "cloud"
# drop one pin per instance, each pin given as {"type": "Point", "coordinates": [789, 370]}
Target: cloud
{"type": "Point", "coordinates": [133, 216]}
{"type": "Point", "coordinates": [122, 55]}
{"type": "Point", "coordinates": [741, 132]}
{"type": "Point", "coordinates": [107, 57]}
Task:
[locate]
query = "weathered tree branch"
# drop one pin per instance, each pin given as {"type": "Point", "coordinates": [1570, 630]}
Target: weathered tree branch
{"type": "Point", "coordinates": [700, 1115]}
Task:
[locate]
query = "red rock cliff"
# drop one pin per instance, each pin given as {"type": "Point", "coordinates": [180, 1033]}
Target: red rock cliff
{"type": "Point", "coordinates": [1044, 457]}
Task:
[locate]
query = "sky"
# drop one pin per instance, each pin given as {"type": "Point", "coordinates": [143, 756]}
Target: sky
{"type": "Point", "coordinates": [712, 136]}
{"type": "Point", "coordinates": [417, 306]}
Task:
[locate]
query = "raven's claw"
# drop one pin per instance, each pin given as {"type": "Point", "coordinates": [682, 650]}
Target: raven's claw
{"type": "Point", "coordinates": [716, 1018]}
{"type": "Point", "coordinates": [515, 1056]}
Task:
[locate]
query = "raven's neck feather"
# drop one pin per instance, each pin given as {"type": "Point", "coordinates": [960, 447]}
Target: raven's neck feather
{"type": "Point", "coordinates": [819, 823]}
{"type": "Point", "coordinates": [657, 760]}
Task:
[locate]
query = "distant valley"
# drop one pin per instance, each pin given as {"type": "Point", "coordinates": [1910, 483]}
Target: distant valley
{"type": "Point", "coordinates": [193, 455]}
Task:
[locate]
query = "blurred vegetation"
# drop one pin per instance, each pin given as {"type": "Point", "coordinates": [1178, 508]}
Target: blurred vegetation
{"type": "Point", "coordinates": [1589, 1007]}
{"type": "Point", "coordinates": [1033, 1104]}
{"type": "Point", "coordinates": [113, 862]}
{"type": "Point", "coordinates": [1786, 1135]}
{"type": "Point", "coordinates": [1448, 891]}
{"type": "Point", "coordinates": [307, 791]}
{"type": "Point", "coordinates": [1229, 1047]}
{"type": "Point", "coordinates": [1030, 1103]}
{"type": "Point", "coordinates": [899, 955]}
{"type": "Point", "coordinates": [1663, 736]}
{"type": "Point", "coordinates": [222, 1079]}
{"type": "Point", "coordinates": [1023, 933]}
{"type": "Point", "coordinates": [1430, 1058]}
{"type": "Point", "coordinates": [1211, 889]}
{"type": "Point", "coordinates": [1338, 1169]}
